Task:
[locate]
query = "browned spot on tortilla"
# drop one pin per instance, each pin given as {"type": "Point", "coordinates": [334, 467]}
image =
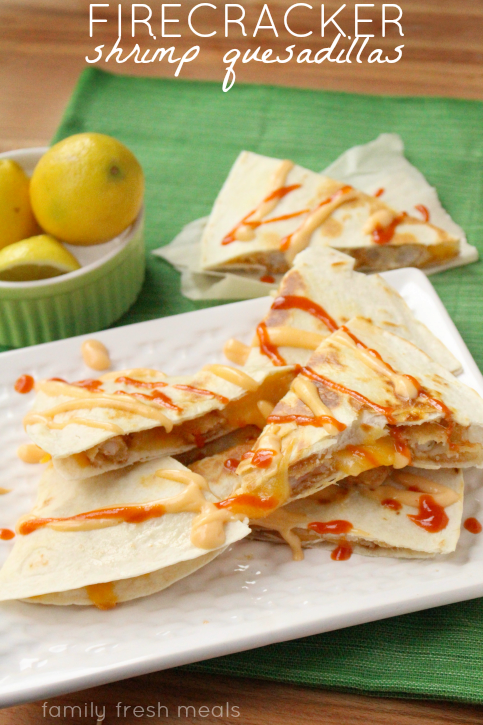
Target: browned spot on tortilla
{"type": "Point", "coordinates": [332, 228]}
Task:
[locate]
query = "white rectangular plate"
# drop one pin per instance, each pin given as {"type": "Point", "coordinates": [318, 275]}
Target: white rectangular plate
{"type": "Point", "coordinates": [253, 595]}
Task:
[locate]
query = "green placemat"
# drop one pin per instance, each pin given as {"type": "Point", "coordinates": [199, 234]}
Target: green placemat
{"type": "Point", "coordinates": [187, 135]}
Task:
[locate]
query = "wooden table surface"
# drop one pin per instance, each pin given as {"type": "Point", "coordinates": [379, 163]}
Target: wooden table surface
{"type": "Point", "coordinates": [43, 44]}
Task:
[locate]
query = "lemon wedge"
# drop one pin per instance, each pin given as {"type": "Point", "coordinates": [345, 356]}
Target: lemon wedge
{"type": "Point", "coordinates": [35, 258]}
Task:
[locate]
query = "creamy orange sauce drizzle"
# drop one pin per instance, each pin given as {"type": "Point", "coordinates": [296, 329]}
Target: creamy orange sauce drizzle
{"type": "Point", "coordinates": [286, 336]}
{"type": "Point", "coordinates": [414, 486]}
{"type": "Point", "coordinates": [30, 453]}
{"type": "Point", "coordinates": [244, 231]}
{"type": "Point", "coordinates": [265, 408]}
{"type": "Point", "coordinates": [296, 242]}
{"type": "Point", "coordinates": [95, 355]}
{"type": "Point", "coordinates": [284, 521]}
{"type": "Point", "coordinates": [236, 352]}
{"type": "Point", "coordinates": [207, 528]}
{"type": "Point", "coordinates": [84, 400]}
{"type": "Point", "coordinates": [233, 375]}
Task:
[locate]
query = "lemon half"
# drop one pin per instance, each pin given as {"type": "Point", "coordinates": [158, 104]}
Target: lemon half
{"type": "Point", "coordinates": [36, 258]}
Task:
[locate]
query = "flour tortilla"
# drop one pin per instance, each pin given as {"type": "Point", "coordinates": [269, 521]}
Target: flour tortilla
{"type": "Point", "coordinates": [415, 242]}
{"type": "Point", "coordinates": [317, 458]}
{"type": "Point", "coordinates": [201, 417]}
{"type": "Point", "coordinates": [378, 530]}
{"type": "Point", "coordinates": [327, 277]}
{"type": "Point", "coordinates": [139, 558]}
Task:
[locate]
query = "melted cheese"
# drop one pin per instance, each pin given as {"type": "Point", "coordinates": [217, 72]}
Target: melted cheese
{"type": "Point", "coordinates": [102, 595]}
{"type": "Point", "coordinates": [361, 458]}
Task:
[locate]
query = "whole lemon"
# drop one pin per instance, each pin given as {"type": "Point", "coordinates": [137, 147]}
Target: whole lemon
{"type": "Point", "coordinates": [87, 189]}
{"type": "Point", "coordinates": [16, 217]}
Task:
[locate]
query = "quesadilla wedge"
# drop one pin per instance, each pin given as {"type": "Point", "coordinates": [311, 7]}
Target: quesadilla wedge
{"type": "Point", "coordinates": [414, 513]}
{"type": "Point", "coordinates": [366, 399]}
{"type": "Point", "coordinates": [321, 292]}
{"type": "Point", "coordinates": [116, 537]}
{"type": "Point", "coordinates": [95, 426]}
{"type": "Point", "coordinates": [269, 210]}
{"type": "Point", "coordinates": [382, 512]}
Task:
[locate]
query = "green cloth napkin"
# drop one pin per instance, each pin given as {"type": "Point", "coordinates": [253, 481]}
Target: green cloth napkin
{"type": "Point", "coordinates": [187, 135]}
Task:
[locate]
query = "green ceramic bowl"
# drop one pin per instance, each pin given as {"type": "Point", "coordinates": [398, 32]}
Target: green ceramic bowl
{"type": "Point", "coordinates": [80, 302]}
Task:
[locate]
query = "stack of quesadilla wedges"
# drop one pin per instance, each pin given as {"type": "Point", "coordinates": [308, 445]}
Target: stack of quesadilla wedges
{"type": "Point", "coordinates": [343, 425]}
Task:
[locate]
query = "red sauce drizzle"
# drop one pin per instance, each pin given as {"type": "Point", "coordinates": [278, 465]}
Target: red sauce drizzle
{"type": "Point", "coordinates": [379, 192]}
{"type": "Point", "coordinates": [157, 395]}
{"type": "Point", "coordinates": [135, 514]}
{"type": "Point", "coordinates": [199, 440]}
{"type": "Point", "coordinates": [473, 526]}
{"type": "Point", "coordinates": [140, 383]}
{"type": "Point", "coordinates": [202, 391]}
{"type": "Point", "coordinates": [266, 347]}
{"type": "Point", "coordinates": [448, 417]}
{"type": "Point", "coordinates": [263, 458]}
{"type": "Point", "coordinates": [435, 402]}
{"type": "Point", "coordinates": [231, 464]}
{"type": "Point", "coordinates": [92, 385]}
{"type": "Point", "coordinates": [6, 534]}
{"type": "Point", "coordinates": [24, 384]}
{"type": "Point", "coordinates": [291, 302]}
{"type": "Point", "coordinates": [383, 235]}
{"type": "Point", "coordinates": [424, 211]}
{"type": "Point", "coordinates": [338, 526]}
{"type": "Point", "coordinates": [250, 503]}
{"type": "Point", "coordinates": [317, 421]}
{"type": "Point", "coordinates": [312, 375]}
{"type": "Point", "coordinates": [285, 243]}
{"type": "Point", "coordinates": [391, 503]}
{"type": "Point", "coordinates": [342, 552]}
{"type": "Point", "coordinates": [400, 443]}
{"type": "Point", "coordinates": [267, 278]}
{"type": "Point", "coordinates": [431, 516]}
{"type": "Point", "coordinates": [277, 194]}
